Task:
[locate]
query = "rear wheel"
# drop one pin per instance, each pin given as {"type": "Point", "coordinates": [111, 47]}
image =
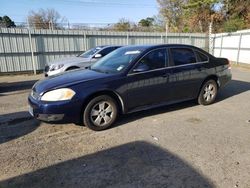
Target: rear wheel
{"type": "Point", "coordinates": [100, 113]}
{"type": "Point", "coordinates": [208, 93]}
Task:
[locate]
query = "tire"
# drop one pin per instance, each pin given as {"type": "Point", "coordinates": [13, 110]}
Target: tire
{"type": "Point", "coordinates": [100, 113]}
{"type": "Point", "coordinates": [208, 93]}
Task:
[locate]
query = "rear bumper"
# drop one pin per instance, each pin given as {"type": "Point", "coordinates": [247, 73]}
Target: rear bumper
{"type": "Point", "coordinates": [225, 78]}
{"type": "Point", "coordinates": [56, 112]}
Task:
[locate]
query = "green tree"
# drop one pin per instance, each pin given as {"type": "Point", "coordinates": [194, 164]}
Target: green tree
{"type": "Point", "coordinates": [192, 15]}
{"type": "Point", "coordinates": [173, 13]}
{"type": "Point", "coordinates": [159, 23]}
{"type": "Point", "coordinates": [5, 21]}
{"type": "Point", "coordinates": [233, 24]}
{"type": "Point", "coordinates": [237, 14]}
{"type": "Point", "coordinates": [203, 13]}
{"type": "Point", "coordinates": [148, 22]}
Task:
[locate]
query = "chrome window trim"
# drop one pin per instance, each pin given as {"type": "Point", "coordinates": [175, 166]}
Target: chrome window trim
{"type": "Point", "coordinates": [131, 74]}
{"type": "Point", "coordinates": [168, 67]}
{"type": "Point", "coordinates": [143, 57]}
{"type": "Point", "coordinates": [188, 64]}
{"type": "Point", "coordinates": [183, 47]}
{"type": "Point", "coordinates": [203, 54]}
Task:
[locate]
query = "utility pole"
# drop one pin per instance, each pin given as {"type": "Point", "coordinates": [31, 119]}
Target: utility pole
{"type": "Point", "coordinates": [211, 39]}
{"type": "Point", "coordinates": [166, 34]}
{"type": "Point", "coordinates": [31, 48]}
{"type": "Point", "coordinates": [52, 26]}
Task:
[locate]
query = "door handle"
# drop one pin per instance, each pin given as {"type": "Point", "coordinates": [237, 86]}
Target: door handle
{"type": "Point", "coordinates": [166, 75]}
{"type": "Point", "coordinates": [201, 68]}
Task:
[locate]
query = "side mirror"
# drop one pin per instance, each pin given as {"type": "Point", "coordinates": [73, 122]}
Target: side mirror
{"type": "Point", "coordinates": [98, 56]}
{"type": "Point", "coordinates": [141, 68]}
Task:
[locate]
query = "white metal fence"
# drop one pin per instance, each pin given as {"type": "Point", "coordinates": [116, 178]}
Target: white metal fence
{"type": "Point", "coordinates": [234, 46]}
{"type": "Point", "coordinates": [26, 50]}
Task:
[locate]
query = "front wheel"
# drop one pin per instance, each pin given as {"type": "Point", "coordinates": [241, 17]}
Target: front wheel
{"type": "Point", "coordinates": [100, 113]}
{"type": "Point", "coordinates": [208, 93]}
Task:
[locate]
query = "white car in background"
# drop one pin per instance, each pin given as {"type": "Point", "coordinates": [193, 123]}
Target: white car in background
{"type": "Point", "coordinates": [84, 60]}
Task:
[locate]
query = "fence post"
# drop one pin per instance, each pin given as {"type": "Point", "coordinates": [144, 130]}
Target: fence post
{"type": "Point", "coordinates": [5, 59]}
{"type": "Point", "coordinates": [190, 39]}
{"type": "Point", "coordinates": [85, 41]}
{"type": "Point", "coordinates": [127, 38]}
{"type": "Point", "coordinates": [213, 47]}
{"type": "Point", "coordinates": [221, 44]}
{"type": "Point", "coordinates": [238, 52]}
{"type": "Point", "coordinates": [211, 39]}
{"type": "Point", "coordinates": [31, 49]}
{"type": "Point", "coordinates": [166, 38]}
{"type": "Point", "coordinates": [166, 30]}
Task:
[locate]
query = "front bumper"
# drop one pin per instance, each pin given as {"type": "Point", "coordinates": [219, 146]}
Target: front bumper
{"type": "Point", "coordinates": [56, 112]}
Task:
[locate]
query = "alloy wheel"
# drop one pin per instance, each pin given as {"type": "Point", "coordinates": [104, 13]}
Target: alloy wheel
{"type": "Point", "coordinates": [209, 92]}
{"type": "Point", "coordinates": [101, 113]}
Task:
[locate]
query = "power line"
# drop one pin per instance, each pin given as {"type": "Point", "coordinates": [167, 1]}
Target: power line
{"type": "Point", "coordinates": [100, 3]}
{"type": "Point", "coordinates": [108, 4]}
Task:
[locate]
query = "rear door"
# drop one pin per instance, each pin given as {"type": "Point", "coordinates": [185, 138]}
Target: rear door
{"type": "Point", "coordinates": [187, 73]}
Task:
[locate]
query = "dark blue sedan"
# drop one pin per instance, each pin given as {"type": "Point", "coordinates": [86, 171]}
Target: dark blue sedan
{"type": "Point", "coordinates": [129, 79]}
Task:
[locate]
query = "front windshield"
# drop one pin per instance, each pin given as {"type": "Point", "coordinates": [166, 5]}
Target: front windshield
{"type": "Point", "coordinates": [117, 60]}
{"type": "Point", "coordinates": [90, 52]}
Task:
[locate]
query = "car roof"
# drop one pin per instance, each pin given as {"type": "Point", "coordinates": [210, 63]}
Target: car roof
{"type": "Point", "coordinates": [161, 45]}
{"type": "Point", "coordinates": [105, 46]}
{"type": "Point", "coordinates": [151, 47]}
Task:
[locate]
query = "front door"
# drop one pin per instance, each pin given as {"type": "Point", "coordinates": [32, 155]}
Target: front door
{"type": "Point", "coordinates": [148, 80]}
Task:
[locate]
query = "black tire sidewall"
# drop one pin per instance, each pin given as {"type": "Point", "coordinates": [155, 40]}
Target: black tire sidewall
{"type": "Point", "coordinates": [201, 99]}
{"type": "Point", "coordinates": [86, 114]}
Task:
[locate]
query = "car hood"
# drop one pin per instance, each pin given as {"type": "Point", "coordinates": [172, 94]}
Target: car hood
{"type": "Point", "coordinates": [67, 79]}
{"type": "Point", "coordinates": [69, 60]}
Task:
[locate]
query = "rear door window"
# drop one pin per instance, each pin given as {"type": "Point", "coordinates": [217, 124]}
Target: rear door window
{"type": "Point", "coordinates": [201, 57]}
{"type": "Point", "coordinates": [182, 56]}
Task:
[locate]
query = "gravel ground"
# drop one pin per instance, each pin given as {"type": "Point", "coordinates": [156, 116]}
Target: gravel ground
{"type": "Point", "coordinates": [183, 145]}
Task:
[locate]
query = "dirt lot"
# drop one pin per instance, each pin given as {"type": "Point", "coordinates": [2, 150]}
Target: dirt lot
{"type": "Point", "coordinates": [184, 145]}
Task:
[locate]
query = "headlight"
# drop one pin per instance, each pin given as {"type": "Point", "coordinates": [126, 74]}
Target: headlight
{"type": "Point", "coordinates": [55, 67]}
{"type": "Point", "coordinates": [58, 95]}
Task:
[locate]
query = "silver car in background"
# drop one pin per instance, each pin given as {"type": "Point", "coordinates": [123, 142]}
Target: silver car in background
{"type": "Point", "coordinates": [84, 60]}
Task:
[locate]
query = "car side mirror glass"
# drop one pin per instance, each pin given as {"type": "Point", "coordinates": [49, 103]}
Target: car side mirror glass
{"type": "Point", "coordinates": [98, 56]}
{"type": "Point", "coordinates": [141, 68]}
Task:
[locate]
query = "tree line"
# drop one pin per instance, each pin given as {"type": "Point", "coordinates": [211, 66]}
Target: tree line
{"type": "Point", "coordinates": [174, 15]}
{"type": "Point", "coordinates": [197, 15]}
